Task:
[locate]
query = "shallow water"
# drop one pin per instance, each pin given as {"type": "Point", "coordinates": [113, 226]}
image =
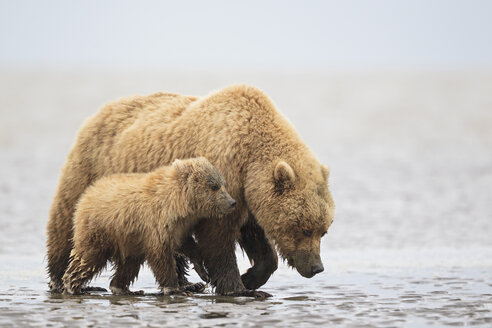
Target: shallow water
{"type": "Point", "coordinates": [411, 170]}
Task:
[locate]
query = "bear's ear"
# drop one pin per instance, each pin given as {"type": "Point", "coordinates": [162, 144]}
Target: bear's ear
{"type": "Point", "coordinates": [177, 163]}
{"type": "Point", "coordinates": [284, 174]}
{"type": "Point", "coordinates": [325, 171]}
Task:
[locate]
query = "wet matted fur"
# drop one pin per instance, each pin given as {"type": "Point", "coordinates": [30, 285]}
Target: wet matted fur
{"type": "Point", "coordinates": [137, 217]}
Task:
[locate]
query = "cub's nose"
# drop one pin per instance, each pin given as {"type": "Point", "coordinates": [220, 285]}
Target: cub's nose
{"type": "Point", "coordinates": [232, 203]}
{"type": "Point", "coordinates": [317, 268]}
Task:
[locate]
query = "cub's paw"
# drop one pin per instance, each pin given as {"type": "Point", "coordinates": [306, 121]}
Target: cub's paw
{"type": "Point", "coordinates": [55, 288]}
{"type": "Point", "coordinates": [250, 293]}
{"type": "Point", "coordinates": [73, 291]}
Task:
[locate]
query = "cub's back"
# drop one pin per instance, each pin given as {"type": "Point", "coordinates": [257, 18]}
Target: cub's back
{"type": "Point", "coordinates": [109, 199]}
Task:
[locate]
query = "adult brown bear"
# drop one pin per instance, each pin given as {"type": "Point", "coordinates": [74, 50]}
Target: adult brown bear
{"type": "Point", "coordinates": [280, 187]}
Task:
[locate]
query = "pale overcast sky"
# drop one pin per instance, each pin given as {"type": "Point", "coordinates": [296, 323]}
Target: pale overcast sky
{"type": "Point", "coordinates": [296, 35]}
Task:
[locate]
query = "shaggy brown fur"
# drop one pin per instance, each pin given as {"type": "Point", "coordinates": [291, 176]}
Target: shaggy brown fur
{"type": "Point", "coordinates": [132, 218]}
{"type": "Point", "coordinates": [280, 186]}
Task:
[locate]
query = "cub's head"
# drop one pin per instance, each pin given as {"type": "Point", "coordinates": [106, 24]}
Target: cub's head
{"type": "Point", "coordinates": [205, 187]}
{"type": "Point", "coordinates": [295, 208]}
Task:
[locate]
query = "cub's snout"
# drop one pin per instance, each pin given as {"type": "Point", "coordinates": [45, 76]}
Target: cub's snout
{"type": "Point", "coordinates": [227, 203]}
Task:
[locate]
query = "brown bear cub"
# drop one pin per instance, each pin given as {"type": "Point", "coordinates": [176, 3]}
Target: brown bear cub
{"type": "Point", "coordinates": [137, 217]}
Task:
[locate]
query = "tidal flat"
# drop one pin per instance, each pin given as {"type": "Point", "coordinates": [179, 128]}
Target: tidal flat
{"type": "Point", "coordinates": [379, 295]}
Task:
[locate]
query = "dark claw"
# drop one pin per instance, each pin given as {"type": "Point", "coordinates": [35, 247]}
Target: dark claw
{"type": "Point", "coordinates": [181, 293]}
{"type": "Point", "coordinates": [177, 291]}
{"type": "Point", "coordinates": [250, 293]}
{"type": "Point", "coordinates": [92, 289]}
{"type": "Point", "coordinates": [200, 270]}
{"type": "Point", "coordinates": [195, 288]}
{"type": "Point", "coordinates": [137, 293]}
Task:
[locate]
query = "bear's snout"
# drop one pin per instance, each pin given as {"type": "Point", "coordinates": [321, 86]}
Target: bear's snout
{"type": "Point", "coordinates": [308, 264]}
{"type": "Point", "coordinates": [317, 268]}
{"type": "Point", "coordinates": [232, 203]}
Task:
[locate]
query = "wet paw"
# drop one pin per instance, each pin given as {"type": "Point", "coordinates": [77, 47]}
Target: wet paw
{"type": "Point", "coordinates": [166, 291]}
{"type": "Point", "coordinates": [69, 291]}
{"type": "Point", "coordinates": [137, 293]}
{"type": "Point", "coordinates": [199, 287]}
{"type": "Point", "coordinates": [250, 293]}
{"type": "Point", "coordinates": [249, 280]}
{"type": "Point", "coordinates": [92, 289]}
{"type": "Point", "coordinates": [55, 288]}
{"type": "Point", "coordinates": [258, 275]}
{"type": "Point", "coordinates": [124, 291]}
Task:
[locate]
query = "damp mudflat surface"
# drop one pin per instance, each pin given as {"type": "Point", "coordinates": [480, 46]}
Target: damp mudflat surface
{"type": "Point", "coordinates": [411, 175]}
{"type": "Point", "coordinates": [374, 297]}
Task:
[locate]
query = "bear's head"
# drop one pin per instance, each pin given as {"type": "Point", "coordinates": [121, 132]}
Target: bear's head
{"type": "Point", "coordinates": [295, 208]}
{"type": "Point", "coordinates": [205, 187]}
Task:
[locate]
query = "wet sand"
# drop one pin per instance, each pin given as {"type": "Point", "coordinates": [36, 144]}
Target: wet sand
{"type": "Point", "coordinates": [411, 175]}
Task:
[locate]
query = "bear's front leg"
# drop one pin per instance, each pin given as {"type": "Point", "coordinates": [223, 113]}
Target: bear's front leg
{"type": "Point", "coordinates": [189, 248]}
{"type": "Point", "coordinates": [260, 252]}
{"type": "Point", "coordinates": [181, 269]}
{"type": "Point", "coordinates": [217, 247]}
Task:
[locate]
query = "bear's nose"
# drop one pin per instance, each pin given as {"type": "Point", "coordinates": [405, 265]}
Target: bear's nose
{"type": "Point", "coordinates": [317, 268]}
{"type": "Point", "coordinates": [232, 203]}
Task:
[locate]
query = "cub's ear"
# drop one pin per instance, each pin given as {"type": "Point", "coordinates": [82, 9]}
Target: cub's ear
{"type": "Point", "coordinates": [284, 174]}
{"type": "Point", "coordinates": [325, 171]}
{"type": "Point", "coordinates": [182, 168]}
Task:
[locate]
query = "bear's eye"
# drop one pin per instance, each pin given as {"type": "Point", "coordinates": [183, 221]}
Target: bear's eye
{"type": "Point", "coordinates": [215, 187]}
{"type": "Point", "coordinates": [307, 233]}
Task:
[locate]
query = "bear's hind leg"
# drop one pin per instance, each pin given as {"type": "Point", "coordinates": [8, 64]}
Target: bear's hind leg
{"type": "Point", "coordinates": [126, 272]}
{"type": "Point", "coordinates": [59, 242]}
{"type": "Point", "coordinates": [74, 179]}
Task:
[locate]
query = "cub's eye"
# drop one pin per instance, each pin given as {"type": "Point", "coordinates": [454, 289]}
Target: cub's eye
{"type": "Point", "coordinates": [307, 233]}
{"type": "Point", "coordinates": [215, 187]}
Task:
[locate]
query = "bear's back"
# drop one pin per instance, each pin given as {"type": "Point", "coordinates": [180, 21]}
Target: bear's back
{"type": "Point", "coordinates": [115, 121]}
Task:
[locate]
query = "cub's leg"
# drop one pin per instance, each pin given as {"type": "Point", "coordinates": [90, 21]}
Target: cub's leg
{"type": "Point", "coordinates": [83, 266]}
{"type": "Point", "coordinates": [163, 265]}
{"type": "Point", "coordinates": [126, 272]}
